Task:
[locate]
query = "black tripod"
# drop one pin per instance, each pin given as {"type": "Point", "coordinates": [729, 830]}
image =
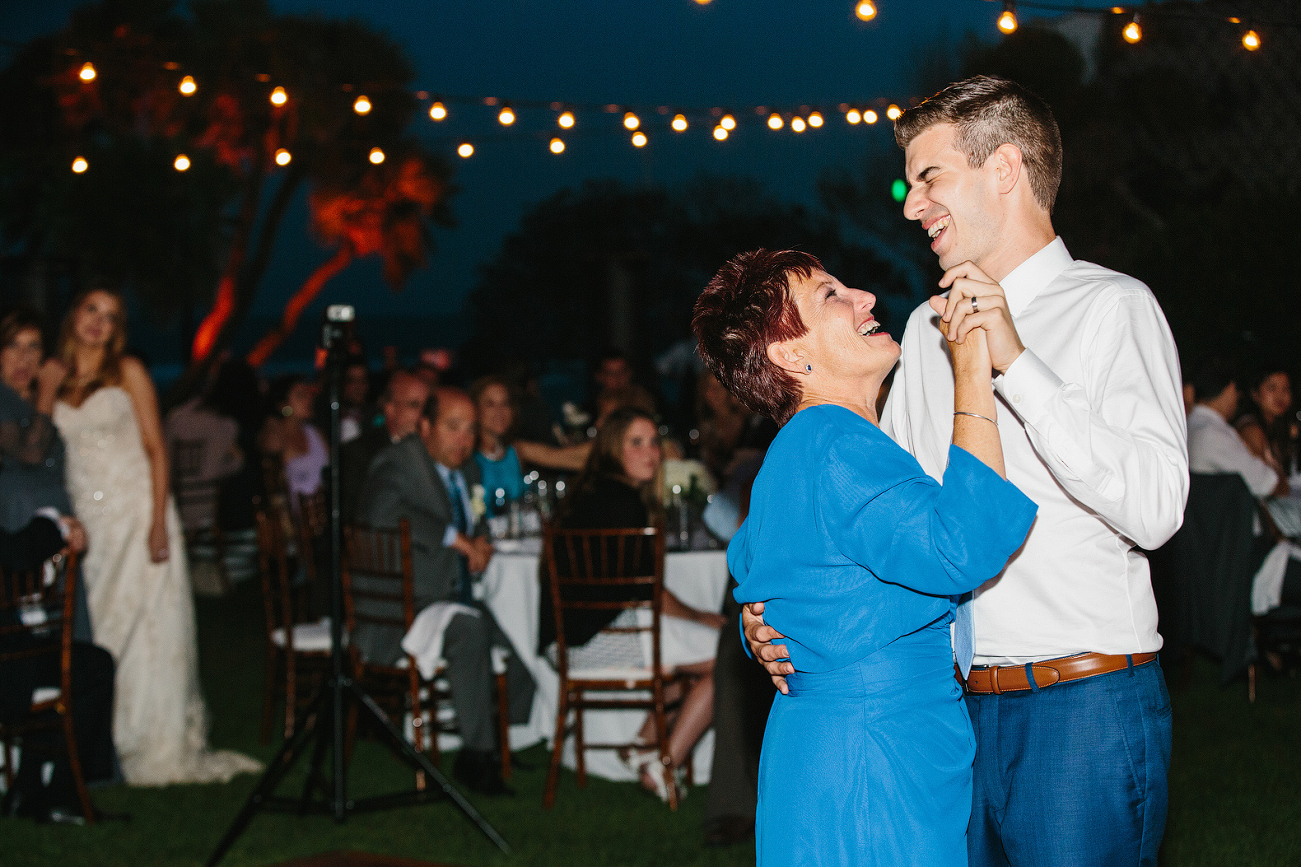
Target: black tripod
{"type": "Point", "coordinates": [322, 723]}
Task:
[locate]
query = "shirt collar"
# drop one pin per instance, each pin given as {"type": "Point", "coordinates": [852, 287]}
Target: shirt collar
{"type": "Point", "coordinates": [1033, 275]}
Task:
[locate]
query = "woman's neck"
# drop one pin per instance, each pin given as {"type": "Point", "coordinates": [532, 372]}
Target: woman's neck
{"type": "Point", "coordinates": [491, 445]}
{"type": "Point", "coordinates": [87, 362]}
{"type": "Point", "coordinates": [859, 404]}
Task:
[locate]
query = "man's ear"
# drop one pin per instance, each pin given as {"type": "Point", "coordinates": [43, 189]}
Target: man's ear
{"type": "Point", "coordinates": [787, 355]}
{"type": "Point", "coordinates": [1009, 167]}
{"type": "Point", "coordinates": [423, 427]}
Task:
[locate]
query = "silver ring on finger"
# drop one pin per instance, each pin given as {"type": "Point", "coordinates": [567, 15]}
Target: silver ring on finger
{"type": "Point", "coordinates": [975, 307]}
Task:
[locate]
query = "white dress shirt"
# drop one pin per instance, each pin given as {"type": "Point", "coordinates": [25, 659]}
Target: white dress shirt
{"type": "Point", "coordinates": [1092, 423]}
{"type": "Point", "coordinates": [1215, 447]}
{"type": "Point", "coordinates": [457, 493]}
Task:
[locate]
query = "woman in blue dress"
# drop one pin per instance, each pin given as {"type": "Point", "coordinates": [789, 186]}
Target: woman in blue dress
{"type": "Point", "coordinates": [860, 557]}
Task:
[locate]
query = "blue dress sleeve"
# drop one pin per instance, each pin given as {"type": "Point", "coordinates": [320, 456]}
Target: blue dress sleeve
{"type": "Point", "coordinates": [885, 514]}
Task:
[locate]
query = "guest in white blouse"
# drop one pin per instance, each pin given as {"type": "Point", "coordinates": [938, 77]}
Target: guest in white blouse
{"type": "Point", "coordinates": [1214, 446]}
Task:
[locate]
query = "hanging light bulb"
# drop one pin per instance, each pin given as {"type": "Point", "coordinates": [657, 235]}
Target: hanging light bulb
{"type": "Point", "coordinates": [279, 97]}
{"type": "Point", "coordinates": [1007, 21]}
{"type": "Point", "coordinates": [87, 72]}
{"type": "Point", "coordinates": [639, 139]}
{"type": "Point", "coordinates": [1251, 40]}
{"type": "Point", "coordinates": [870, 116]}
{"type": "Point", "coordinates": [775, 121]}
{"type": "Point", "coordinates": [854, 115]}
{"type": "Point", "coordinates": [1132, 32]}
{"type": "Point", "coordinates": [181, 163]}
{"type": "Point", "coordinates": [376, 156]}
{"type": "Point", "coordinates": [466, 150]}
{"type": "Point", "coordinates": [557, 146]}
{"type": "Point", "coordinates": [566, 121]}
{"type": "Point", "coordinates": [893, 111]}
{"type": "Point", "coordinates": [727, 122]}
{"type": "Point", "coordinates": [362, 105]}
{"type": "Point", "coordinates": [283, 157]}
{"type": "Point", "coordinates": [437, 111]}
{"type": "Point", "coordinates": [679, 123]}
{"type": "Point", "coordinates": [506, 116]}
{"type": "Point", "coordinates": [797, 124]}
{"type": "Point", "coordinates": [866, 10]}
{"type": "Point", "coordinates": [79, 165]}
{"type": "Point", "coordinates": [631, 121]}
{"type": "Point", "coordinates": [187, 87]}
{"type": "Point", "coordinates": [720, 132]}
{"type": "Point", "coordinates": [703, 2]}
{"type": "Point", "coordinates": [815, 119]}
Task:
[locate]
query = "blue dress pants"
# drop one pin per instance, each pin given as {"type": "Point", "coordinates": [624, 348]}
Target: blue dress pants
{"type": "Point", "coordinates": [1071, 775]}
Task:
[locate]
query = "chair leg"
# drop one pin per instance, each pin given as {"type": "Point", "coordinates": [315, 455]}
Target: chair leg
{"type": "Point", "coordinates": [219, 551]}
{"type": "Point", "coordinates": [74, 764]}
{"type": "Point", "coordinates": [291, 695]}
{"type": "Point", "coordinates": [662, 743]}
{"type": "Point", "coordinates": [557, 747]}
{"type": "Point", "coordinates": [269, 693]}
{"type": "Point", "coordinates": [580, 744]}
{"type": "Point", "coordinates": [503, 725]}
{"type": "Point", "coordinates": [1251, 682]}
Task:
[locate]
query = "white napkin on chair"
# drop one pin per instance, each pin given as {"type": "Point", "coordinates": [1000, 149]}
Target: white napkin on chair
{"type": "Point", "coordinates": [424, 640]}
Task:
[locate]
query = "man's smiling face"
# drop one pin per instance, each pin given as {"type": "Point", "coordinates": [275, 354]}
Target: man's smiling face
{"type": "Point", "coordinates": [957, 205]}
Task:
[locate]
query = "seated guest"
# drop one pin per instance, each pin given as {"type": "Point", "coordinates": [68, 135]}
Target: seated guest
{"type": "Point", "coordinates": [615, 388]}
{"type": "Point", "coordinates": [199, 420]}
{"type": "Point", "coordinates": [290, 434]}
{"type": "Point", "coordinates": [1268, 425]}
{"type": "Point", "coordinates": [355, 409]}
{"type": "Point", "coordinates": [500, 459]}
{"type": "Point", "coordinates": [618, 488]}
{"type": "Point", "coordinates": [31, 796]}
{"type": "Point", "coordinates": [401, 404]}
{"type": "Point", "coordinates": [427, 478]}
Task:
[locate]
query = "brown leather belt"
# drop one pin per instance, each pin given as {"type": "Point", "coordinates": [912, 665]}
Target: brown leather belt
{"type": "Point", "coordinates": [998, 679]}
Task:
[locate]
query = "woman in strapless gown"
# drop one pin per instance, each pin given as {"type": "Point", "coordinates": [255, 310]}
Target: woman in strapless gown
{"type": "Point", "coordinates": [136, 576]}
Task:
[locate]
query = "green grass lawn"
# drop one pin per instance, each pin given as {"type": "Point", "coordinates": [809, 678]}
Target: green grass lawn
{"type": "Point", "coordinates": [1235, 792]}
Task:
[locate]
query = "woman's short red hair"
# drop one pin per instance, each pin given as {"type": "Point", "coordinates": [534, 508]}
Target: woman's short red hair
{"type": "Point", "coordinates": [747, 306]}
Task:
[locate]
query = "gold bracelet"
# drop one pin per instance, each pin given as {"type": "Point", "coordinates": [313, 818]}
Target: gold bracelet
{"type": "Point", "coordinates": [976, 415]}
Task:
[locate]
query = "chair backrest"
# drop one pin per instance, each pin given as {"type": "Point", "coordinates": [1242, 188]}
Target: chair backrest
{"type": "Point", "coordinates": [312, 522]}
{"type": "Point", "coordinates": [274, 570]}
{"type": "Point", "coordinates": [596, 572]}
{"type": "Point", "coordinates": [196, 496]}
{"type": "Point", "coordinates": [378, 585]}
{"type": "Point", "coordinates": [36, 614]}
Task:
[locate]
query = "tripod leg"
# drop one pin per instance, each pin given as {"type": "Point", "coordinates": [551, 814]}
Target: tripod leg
{"type": "Point", "coordinates": [275, 772]}
{"type": "Point", "coordinates": [420, 761]}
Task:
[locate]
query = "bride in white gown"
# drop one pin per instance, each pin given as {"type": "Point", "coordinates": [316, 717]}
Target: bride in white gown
{"type": "Point", "coordinates": [136, 577]}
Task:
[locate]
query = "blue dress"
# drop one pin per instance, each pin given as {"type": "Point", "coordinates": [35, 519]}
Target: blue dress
{"type": "Point", "coordinates": [504, 473]}
{"type": "Point", "coordinates": [857, 554]}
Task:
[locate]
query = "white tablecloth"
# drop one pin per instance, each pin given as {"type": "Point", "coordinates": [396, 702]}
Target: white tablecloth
{"type": "Point", "coordinates": [510, 589]}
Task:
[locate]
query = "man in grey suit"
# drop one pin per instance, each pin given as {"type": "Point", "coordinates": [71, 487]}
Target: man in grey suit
{"type": "Point", "coordinates": [427, 478]}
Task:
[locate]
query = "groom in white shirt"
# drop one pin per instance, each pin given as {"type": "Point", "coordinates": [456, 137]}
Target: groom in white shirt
{"type": "Point", "coordinates": [1069, 706]}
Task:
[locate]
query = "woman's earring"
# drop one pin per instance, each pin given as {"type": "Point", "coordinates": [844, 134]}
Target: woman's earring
{"type": "Point", "coordinates": [809, 368]}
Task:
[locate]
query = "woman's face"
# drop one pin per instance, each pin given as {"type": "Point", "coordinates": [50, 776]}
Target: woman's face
{"type": "Point", "coordinates": [20, 359]}
{"type": "Point", "coordinates": [641, 451]}
{"type": "Point", "coordinates": [96, 319]}
{"type": "Point", "coordinates": [300, 398]}
{"type": "Point", "coordinates": [844, 339]}
{"type": "Point", "coordinates": [495, 413]}
{"type": "Point", "coordinates": [1274, 395]}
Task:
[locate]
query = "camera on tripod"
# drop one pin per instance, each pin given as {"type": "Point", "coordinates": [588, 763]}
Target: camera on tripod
{"type": "Point", "coordinates": [337, 327]}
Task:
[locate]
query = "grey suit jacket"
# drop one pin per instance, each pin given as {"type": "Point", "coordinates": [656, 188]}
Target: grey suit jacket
{"type": "Point", "coordinates": [403, 482]}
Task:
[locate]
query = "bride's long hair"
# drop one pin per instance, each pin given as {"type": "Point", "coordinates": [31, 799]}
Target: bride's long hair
{"type": "Point", "coordinates": [110, 367]}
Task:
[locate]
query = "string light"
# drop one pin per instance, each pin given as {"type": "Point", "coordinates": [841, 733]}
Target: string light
{"type": "Point", "coordinates": [362, 105]}
{"type": "Point", "coordinates": [797, 124]}
{"type": "Point", "coordinates": [1251, 40]}
{"type": "Point", "coordinates": [727, 122]}
{"type": "Point", "coordinates": [466, 150]}
{"type": "Point", "coordinates": [283, 157]}
{"type": "Point", "coordinates": [437, 111]}
{"type": "Point", "coordinates": [703, 2]}
{"type": "Point", "coordinates": [775, 121]}
{"type": "Point", "coordinates": [870, 116]}
{"type": "Point", "coordinates": [187, 87]}
{"type": "Point", "coordinates": [865, 10]}
{"type": "Point", "coordinates": [279, 97]}
{"type": "Point", "coordinates": [376, 156]}
{"type": "Point", "coordinates": [506, 116]}
{"type": "Point", "coordinates": [79, 165]}
{"type": "Point", "coordinates": [679, 123]}
{"type": "Point", "coordinates": [87, 72]}
{"type": "Point", "coordinates": [893, 111]}
{"type": "Point", "coordinates": [854, 115]}
{"type": "Point", "coordinates": [566, 121]}
{"type": "Point", "coordinates": [1007, 21]}
{"type": "Point", "coordinates": [815, 120]}
{"type": "Point", "coordinates": [181, 163]}
{"type": "Point", "coordinates": [631, 121]}
{"type": "Point", "coordinates": [720, 133]}
{"type": "Point", "coordinates": [639, 139]}
{"type": "Point", "coordinates": [557, 146]}
{"type": "Point", "coordinates": [1132, 32]}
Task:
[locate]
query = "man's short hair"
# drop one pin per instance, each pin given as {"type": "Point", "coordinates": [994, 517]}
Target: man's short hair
{"type": "Point", "coordinates": [1212, 375]}
{"type": "Point", "coordinates": [988, 112]}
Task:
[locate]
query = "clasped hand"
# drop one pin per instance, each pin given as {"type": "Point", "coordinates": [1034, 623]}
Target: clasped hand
{"type": "Point", "coordinates": [989, 313]}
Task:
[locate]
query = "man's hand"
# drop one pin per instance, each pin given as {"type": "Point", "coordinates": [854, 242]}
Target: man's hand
{"type": "Point", "coordinates": [759, 636]}
{"type": "Point", "coordinates": [989, 312]}
{"type": "Point", "coordinates": [477, 551]}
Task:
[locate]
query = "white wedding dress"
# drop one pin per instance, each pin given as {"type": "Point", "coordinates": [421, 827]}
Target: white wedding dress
{"type": "Point", "coordinates": [142, 612]}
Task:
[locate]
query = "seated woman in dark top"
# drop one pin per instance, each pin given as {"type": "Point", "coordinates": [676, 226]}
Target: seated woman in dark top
{"type": "Point", "coordinates": [618, 489]}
